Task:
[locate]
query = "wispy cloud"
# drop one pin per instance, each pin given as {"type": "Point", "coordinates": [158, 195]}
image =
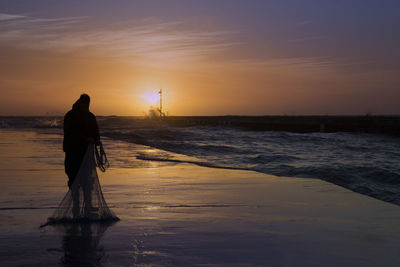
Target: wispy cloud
{"type": "Point", "coordinates": [148, 39]}
{"type": "Point", "coordinates": [300, 65]}
{"type": "Point", "coordinates": [148, 42]}
{"type": "Point", "coordinates": [4, 17]}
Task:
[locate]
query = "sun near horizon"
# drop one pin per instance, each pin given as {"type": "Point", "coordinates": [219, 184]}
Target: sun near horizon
{"type": "Point", "coordinates": [212, 58]}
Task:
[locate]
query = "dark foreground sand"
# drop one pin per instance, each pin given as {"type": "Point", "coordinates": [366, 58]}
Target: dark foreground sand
{"type": "Point", "coordinates": [187, 215]}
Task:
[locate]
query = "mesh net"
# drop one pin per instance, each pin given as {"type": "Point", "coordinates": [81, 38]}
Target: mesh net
{"type": "Point", "coordinates": [84, 200]}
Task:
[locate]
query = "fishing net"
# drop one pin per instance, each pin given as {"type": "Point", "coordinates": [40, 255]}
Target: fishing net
{"type": "Point", "coordinates": [84, 200]}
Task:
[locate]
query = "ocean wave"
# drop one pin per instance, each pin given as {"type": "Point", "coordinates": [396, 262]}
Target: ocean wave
{"type": "Point", "coordinates": [359, 162]}
{"type": "Point", "coordinates": [30, 122]}
{"type": "Point", "coordinates": [199, 163]}
{"type": "Point", "coordinates": [365, 163]}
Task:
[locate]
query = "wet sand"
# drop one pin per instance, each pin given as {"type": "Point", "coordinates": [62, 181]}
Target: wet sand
{"type": "Point", "coordinates": [181, 214]}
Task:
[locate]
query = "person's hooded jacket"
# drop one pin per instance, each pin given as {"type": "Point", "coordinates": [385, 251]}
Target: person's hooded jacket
{"type": "Point", "coordinates": [80, 128]}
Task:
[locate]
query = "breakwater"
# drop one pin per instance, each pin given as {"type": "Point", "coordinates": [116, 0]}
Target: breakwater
{"type": "Point", "coordinates": [297, 124]}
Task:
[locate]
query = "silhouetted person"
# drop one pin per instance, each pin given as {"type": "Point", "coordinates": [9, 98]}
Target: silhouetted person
{"type": "Point", "coordinates": [80, 129]}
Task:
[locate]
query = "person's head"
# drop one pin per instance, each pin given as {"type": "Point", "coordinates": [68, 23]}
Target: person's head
{"type": "Point", "coordinates": [84, 101]}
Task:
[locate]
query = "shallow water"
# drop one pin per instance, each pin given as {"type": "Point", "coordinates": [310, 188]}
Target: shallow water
{"type": "Point", "coordinates": [176, 214]}
{"type": "Point", "coordinates": [365, 163]}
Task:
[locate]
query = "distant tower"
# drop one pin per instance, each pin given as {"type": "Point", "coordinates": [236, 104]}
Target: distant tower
{"type": "Point", "coordinates": [160, 109]}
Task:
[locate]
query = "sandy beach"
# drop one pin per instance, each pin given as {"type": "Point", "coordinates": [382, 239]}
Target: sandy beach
{"type": "Point", "coordinates": [184, 215]}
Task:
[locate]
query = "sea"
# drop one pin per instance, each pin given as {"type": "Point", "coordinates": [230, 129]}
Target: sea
{"type": "Point", "coordinates": [365, 163]}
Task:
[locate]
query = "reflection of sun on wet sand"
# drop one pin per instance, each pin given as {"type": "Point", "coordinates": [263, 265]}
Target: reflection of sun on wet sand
{"type": "Point", "coordinates": [181, 214]}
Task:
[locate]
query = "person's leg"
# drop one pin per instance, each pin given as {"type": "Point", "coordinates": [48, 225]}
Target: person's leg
{"type": "Point", "coordinates": [73, 160]}
{"type": "Point", "coordinates": [87, 195]}
{"type": "Point", "coordinates": [76, 209]}
{"type": "Point", "coordinates": [72, 163]}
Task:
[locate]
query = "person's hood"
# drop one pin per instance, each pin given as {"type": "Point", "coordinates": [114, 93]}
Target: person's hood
{"type": "Point", "coordinates": [75, 106]}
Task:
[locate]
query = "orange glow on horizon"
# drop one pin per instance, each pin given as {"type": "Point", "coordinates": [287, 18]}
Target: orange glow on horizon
{"type": "Point", "coordinates": [206, 69]}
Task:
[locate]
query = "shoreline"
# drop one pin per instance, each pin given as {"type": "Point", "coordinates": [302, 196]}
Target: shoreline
{"type": "Point", "coordinates": [182, 214]}
{"type": "Point", "coordinates": [176, 157]}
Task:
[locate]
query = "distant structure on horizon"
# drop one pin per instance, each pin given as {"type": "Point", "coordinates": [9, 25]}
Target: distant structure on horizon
{"type": "Point", "coordinates": [162, 114]}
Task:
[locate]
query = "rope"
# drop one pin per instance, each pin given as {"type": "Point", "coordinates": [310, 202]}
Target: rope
{"type": "Point", "coordinates": [101, 158]}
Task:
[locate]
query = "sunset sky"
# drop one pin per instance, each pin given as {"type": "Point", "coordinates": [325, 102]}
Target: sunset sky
{"type": "Point", "coordinates": [255, 57]}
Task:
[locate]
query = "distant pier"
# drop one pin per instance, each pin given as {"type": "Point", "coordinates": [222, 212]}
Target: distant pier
{"type": "Point", "coordinates": [298, 124]}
